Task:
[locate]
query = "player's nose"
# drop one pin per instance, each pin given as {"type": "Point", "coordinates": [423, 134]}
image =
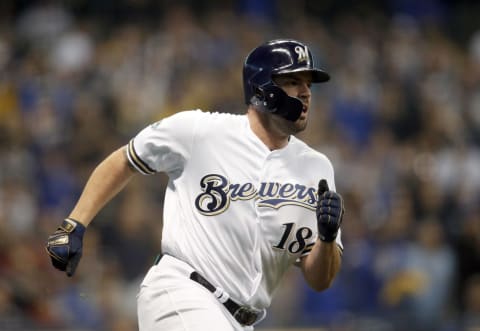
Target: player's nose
{"type": "Point", "coordinates": [304, 91]}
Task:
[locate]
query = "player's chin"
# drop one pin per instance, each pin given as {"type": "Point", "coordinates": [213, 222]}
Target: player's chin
{"type": "Point", "coordinates": [299, 125]}
{"type": "Point", "coordinates": [301, 122]}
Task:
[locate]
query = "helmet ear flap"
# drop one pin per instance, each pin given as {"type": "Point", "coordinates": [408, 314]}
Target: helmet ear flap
{"type": "Point", "coordinates": [270, 96]}
{"type": "Point", "coordinates": [273, 99]}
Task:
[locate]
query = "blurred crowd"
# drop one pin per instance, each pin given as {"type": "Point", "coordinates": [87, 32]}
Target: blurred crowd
{"type": "Point", "coordinates": [400, 121]}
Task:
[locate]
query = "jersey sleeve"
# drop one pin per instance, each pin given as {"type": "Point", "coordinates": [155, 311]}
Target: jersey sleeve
{"type": "Point", "coordinates": [164, 146]}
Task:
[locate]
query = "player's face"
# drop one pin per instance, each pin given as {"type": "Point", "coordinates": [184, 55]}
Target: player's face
{"type": "Point", "coordinates": [296, 85]}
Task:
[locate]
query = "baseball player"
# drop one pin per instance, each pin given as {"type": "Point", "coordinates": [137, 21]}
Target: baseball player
{"type": "Point", "coordinates": [245, 201]}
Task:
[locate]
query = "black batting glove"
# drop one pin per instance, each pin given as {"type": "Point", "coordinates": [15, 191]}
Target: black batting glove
{"type": "Point", "coordinates": [65, 246]}
{"type": "Point", "coordinates": [330, 212]}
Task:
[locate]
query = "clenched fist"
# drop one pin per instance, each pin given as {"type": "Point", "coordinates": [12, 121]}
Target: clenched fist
{"type": "Point", "coordinates": [330, 212]}
{"type": "Point", "coordinates": [65, 246]}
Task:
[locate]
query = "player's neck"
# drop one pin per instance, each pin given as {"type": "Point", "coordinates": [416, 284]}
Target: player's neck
{"type": "Point", "coordinates": [266, 131]}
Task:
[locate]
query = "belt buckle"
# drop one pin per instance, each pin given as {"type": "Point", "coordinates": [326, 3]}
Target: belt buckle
{"type": "Point", "coordinates": [246, 315]}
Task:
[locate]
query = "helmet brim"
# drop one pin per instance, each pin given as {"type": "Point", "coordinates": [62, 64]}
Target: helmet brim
{"type": "Point", "coordinates": [318, 75]}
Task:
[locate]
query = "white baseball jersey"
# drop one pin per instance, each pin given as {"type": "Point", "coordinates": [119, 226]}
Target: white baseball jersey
{"type": "Point", "coordinates": [235, 211]}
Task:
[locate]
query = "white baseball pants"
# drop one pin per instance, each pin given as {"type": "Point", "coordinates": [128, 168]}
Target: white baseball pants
{"type": "Point", "coordinates": [169, 301]}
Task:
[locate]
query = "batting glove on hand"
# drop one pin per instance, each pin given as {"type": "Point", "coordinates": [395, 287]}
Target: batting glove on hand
{"type": "Point", "coordinates": [65, 246]}
{"type": "Point", "coordinates": [330, 212]}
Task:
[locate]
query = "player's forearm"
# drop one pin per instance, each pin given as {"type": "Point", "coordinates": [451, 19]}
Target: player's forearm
{"type": "Point", "coordinates": [108, 178]}
{"type": "Point", "coordinates": [322, 265]}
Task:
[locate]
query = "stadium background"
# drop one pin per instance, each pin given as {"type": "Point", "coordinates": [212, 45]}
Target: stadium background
{"type": "Point", "coordinates": [400, 121]}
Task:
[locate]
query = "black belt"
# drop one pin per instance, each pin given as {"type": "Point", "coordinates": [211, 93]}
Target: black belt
{"type": "Point", "coordinates": [243, 314]}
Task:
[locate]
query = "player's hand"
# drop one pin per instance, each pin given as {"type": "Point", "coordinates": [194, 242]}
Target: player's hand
{"type": "Point", "coordinates": [330, 212]}
{"type": "Point", "coordinates": [65, 246]}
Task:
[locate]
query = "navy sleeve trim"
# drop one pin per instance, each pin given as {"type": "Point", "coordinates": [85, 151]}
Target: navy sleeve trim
{"type": "Point", "coordinates": [137, 162]}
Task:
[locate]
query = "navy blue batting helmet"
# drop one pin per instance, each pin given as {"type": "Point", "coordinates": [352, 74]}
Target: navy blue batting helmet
{"type": "Point", "coordinates": [273, 58]}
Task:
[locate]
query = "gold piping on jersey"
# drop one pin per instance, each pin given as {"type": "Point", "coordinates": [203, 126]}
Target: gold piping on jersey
{"type": "Point", "coordinates": [137, 162]}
